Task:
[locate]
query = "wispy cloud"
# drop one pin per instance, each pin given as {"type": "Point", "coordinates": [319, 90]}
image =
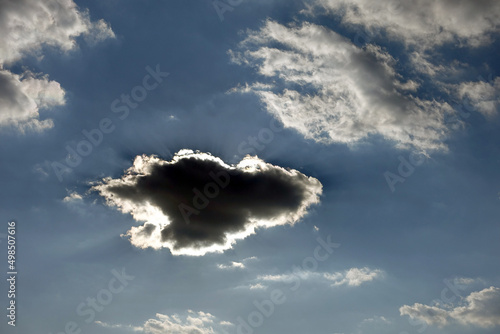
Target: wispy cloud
{"type": "Point", "coordinates": [332, 91]}
{"type": "Point", "coordinates": [352, 277]}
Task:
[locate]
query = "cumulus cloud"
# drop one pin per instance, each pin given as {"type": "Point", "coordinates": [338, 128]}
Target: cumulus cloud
{"type": "Point", "coordinates": [351, 277]}
{"type": "Point", "coordinates": [26, 26]}
{"type": "Point", "coordinates": [480, 309]}
{"type": "Point", "coordinates": [196, 203]}
{"type": "Point", "coordinates": [421, 23]}
{"type": "Point", "coordinates": [192, 323]}
{"type": "Point", "coordinates": [332, 91]}
{"type": "Point", "coordinates": [21, 97]}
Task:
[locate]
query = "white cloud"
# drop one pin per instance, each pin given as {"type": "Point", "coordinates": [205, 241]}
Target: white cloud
{"type": "Point", "coordinates": [237, 265]}
{"type": "Point", "coordinates": [288, 277]}
{"type": "Point", "coordinates": [26, 26]}
{"type": "Point", "coordinates": [257, 286]}
{"type": "Point", "coordinates": [21, 97]}
{"type": "Point", "coordinates": [481, 95]}
{"type": "Point", "coordinates": [332, 91]}
{"type": "Point", "coordinates": [233, 265]}
{"type": "Point", "coordinates": [192, 323]}
{"type": "Point", "coordinates": [421, 23]}
{"type": "Point", "coordinates": [351, 277]}
{"type": "Point", "coordinates": [432, 315]}
{"type": "Point", "coordinates": [73, 197]}
{"type": "Point", "coordinates": [355, 276]}
{"type": "Point", "coordinates": [118, 326]}
{"type": "Point", "coordinates": [480, 309]}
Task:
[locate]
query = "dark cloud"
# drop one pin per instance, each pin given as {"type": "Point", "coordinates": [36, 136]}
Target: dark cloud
{"type": "Point", "coordinates": [196, 203]}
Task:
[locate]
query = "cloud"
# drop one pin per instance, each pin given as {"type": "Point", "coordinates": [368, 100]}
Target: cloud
{"type": "Point", "coordinates": [21, 97]}
{"type": "Point", "coordinates": [351, 277]}
{"type": "Point", "coordinates": [73, 197]}
{"type": "Point", "coordinates": [354, 276]}
{"type": "Point", "coordinates": [237, 265]}
{"type": "Point", "coordinates": [233, 265]}
{"type": "Point", "coordinates": [26, 26]}
{"type": "Point", "coordinates": [196, 203]}
{"type": "Point", "coordinates": [431, 315]}
{"type": "Point", "coordinates": [192, 323]}
{"type": "Point", "coordinates": [375, 321]}
{"type": "Point", "coordinates": [257, 286]}
{"type": "Point", "coordinates": [480, 309]}
{"type": "Point", "coordinates": [332, 91]}
{"type": "Point", "coordinates": [118, 326]}
{"type": "Point", "coordinates": [481, 95]}
{"type": "Point", "coordinates": [421, 23]}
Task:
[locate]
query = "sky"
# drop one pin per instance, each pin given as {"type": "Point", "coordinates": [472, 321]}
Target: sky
{"type": "Point", "coordinates": [235, 166]}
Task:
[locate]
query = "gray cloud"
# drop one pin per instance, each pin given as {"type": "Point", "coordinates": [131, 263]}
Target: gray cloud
{"type": "Point", "coordinates": [196, 203]}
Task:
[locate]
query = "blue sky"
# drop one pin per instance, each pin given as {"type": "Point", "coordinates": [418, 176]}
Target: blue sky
{"type": "Point", "coordinates": [359, 141]}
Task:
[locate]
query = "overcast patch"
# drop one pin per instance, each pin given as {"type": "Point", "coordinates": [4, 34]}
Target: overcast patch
{"type": "Point", "coordinates": [480, 309]}
{"type": "Point", "coordinates": [196, 203]}
{"type": "Point", "coordinates": [25, 26]}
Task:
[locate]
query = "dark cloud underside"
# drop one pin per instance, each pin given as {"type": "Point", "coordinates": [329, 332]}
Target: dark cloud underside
{"type": "Point", "coordinates": [206, 200]}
